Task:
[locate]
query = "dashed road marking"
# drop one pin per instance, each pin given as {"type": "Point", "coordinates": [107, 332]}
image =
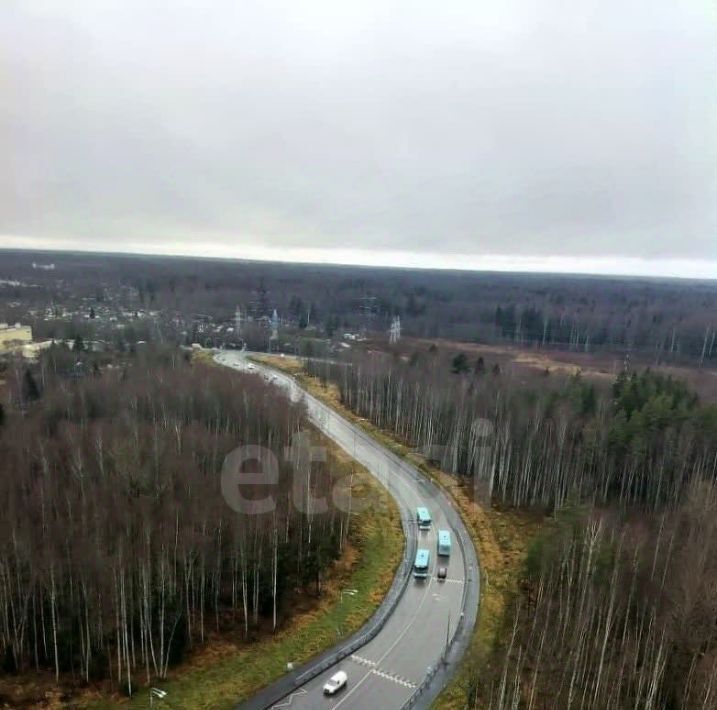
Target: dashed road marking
{"type": "Point", "coordinates": [363, 661]}
{"type": "Point", "coordinates": [382, 674]}
{"type": "Point", "coordinates": [394, 678]}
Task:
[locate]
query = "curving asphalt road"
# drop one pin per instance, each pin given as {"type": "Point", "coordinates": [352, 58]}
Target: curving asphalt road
{"type": "Point", "coordinates": [429, 623]}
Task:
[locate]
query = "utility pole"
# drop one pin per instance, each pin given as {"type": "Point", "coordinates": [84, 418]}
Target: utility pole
{"type": "Point", "coordinates": [448, 634]}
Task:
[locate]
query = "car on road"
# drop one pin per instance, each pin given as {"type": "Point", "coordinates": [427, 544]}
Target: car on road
{"type": "Point", "coordinates": [335, 683]}
{"type": "Point", "coordinates": [442, 572]}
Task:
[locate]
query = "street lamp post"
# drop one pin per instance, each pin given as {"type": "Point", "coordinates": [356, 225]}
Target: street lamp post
{"type": "Point", "coordinates": [351, 593]}
{"type": "Point", "coordinates": [156, 693]}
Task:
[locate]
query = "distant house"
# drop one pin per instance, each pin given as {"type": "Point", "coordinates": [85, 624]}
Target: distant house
{"type": "Point", "coordinates": [12, 336]}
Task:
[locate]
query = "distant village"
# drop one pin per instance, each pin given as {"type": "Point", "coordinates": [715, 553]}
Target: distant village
{"type": "Point", "coordinates": [120, 320]}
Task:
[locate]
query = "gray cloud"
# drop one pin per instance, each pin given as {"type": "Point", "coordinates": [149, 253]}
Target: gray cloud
{"type": "Point", "coordinates": [519, 128]}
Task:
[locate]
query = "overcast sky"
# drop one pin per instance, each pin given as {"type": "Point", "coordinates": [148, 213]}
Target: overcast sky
{"type": "Point", "coordinates": [573, 135]}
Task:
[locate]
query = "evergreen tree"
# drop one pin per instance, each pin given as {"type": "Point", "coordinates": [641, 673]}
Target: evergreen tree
{"type": "Point", "coordinates": [30, 390]}
{"type": "Point", "coordinates": [459, 364]}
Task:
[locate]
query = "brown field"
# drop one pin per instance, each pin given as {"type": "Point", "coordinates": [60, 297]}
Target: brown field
{"type": "Point", "coordinates": [602, 367]}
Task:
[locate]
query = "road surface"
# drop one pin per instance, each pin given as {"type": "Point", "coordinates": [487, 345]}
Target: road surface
{"type": "Point", "coordinates": [389, 671]}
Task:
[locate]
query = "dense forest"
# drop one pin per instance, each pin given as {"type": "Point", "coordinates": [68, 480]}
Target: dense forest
{"type": "Point", "coordinates": [117, 549]}
{"type": "Point", "coordinates": [616, 603]}
{"type": "Point", "coordinates": [667, 319]}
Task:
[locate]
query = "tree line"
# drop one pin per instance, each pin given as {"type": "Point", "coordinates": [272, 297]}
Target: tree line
{"type": "Point", "coordinates": [667, 319]}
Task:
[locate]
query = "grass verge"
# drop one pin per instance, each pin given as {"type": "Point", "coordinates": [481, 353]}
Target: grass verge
{"type": "Point", "coordinates": [501, 537]}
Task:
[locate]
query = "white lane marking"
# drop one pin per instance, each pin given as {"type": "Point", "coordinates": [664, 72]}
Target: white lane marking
{"type": "Point", "coordinates": [286, 704]}
{"type": "Point", "coordinates": [390, 648]}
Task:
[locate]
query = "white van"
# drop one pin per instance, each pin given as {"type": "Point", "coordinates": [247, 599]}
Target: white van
{"type": "Point", "coordinates": [335, 683]}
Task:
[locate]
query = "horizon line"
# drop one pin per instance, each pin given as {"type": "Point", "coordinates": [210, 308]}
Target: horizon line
{"type": "Point", "coordinates": [607, 266]}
